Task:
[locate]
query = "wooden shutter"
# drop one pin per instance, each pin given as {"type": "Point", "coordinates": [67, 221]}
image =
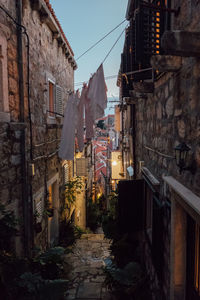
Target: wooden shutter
{"type": "Point", "coordinates": [51, 99]}
{"type": "Point", "coordinates": [39, 208]}
{"type": "Point", "coordinates": [59, 101]}
{"type": "Point", "coordinates": [81, 166]}
{"type": "Point", "coordinates": [131, 205]}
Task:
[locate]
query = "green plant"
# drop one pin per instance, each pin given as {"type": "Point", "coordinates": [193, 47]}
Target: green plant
{"type": "Point", "coordinates": [124, 250]}
{"type": "Point", "coordinates": [94, 215]}
{"type": "Point", "coordinates": [72, 188]}
{"type": "Point", "coordinates": [49, 263]}
{"type": "Point", "coordinates": [128, 282]}
{"type": "Point", "coordinates": [8, 223]}
{"type": "Point", "coordinates": [69, 233]}
{"type": "Point", "coordinates": [34, 287]}
{"type": "Point", "coordinates": [109, 219]}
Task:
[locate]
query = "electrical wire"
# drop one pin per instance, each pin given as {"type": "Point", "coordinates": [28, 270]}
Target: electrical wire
{"type": "Point", "coordinates": [100, 40]}
{"type": "Point", "coordinates": [114, 45]}
{"type": "Point", "coordinates": [58, 73]}
{"type": "Point", "coordinates": [116, 75]}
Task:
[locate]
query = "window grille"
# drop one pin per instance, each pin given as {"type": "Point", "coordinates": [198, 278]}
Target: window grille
{"type": "Point", "coordinates": [143, 39]}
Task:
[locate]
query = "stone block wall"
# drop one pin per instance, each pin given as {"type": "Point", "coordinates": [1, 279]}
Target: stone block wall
{"type": "Point", "coordinates": [47, 59]}
{"type": "Point", "coordinates": [167, 117]}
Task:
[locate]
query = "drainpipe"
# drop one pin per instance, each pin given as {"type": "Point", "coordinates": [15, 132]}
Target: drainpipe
{"type": "Point", "coordinates": [23, 137]}
{"type": "Point", "coordinates": [134, 140]}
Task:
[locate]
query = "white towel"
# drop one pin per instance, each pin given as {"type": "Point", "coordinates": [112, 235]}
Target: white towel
{"type": "Point", "coordinates": [80, 122]}
{"type": "Point", "coordinates": [97, 93]}
{"type": "Point", "coordinates": [66, 149]}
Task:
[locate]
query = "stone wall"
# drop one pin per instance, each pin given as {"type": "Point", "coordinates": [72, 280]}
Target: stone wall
{"type": "Point", "coordinates": [47, 59]}
{"type": "Point", "coordinates": [167, 117]}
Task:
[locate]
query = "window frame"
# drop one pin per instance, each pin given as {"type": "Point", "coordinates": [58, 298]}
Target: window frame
{"type": "Point", "coordinates": [51, 115]}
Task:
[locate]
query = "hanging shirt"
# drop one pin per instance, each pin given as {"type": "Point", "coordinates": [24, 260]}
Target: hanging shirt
{"type": "Point", "coordinates": [66, 149]}
{"type": "Point", "coordinates": [88, 115]}
{"type": "Point", "coordinates": [80, 122]}
{"type": "Point", "coordinates": [97, 93]}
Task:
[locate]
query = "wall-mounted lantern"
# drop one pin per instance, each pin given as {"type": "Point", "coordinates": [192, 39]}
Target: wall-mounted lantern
{"type": "Point", "coordinates": [181, 157]}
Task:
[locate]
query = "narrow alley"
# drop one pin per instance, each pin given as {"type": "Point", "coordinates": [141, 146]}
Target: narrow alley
{"type": "Point", "coordinates": [85, 266]}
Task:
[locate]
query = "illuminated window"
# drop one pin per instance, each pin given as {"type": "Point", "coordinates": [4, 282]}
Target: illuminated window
{"type": "Point", "coordinates": [50, 196]}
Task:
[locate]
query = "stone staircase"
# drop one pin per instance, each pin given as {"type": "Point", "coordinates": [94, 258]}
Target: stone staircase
{"type": "Point", "coordinates": [85, 267]}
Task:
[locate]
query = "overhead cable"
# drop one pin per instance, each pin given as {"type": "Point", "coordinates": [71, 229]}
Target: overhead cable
{"type": "Point", "coordinates": [115, 76]}
{"type": "Point", "coordinates": [114, 45]}
{"type": "Point", "coordinates": [100, 40]}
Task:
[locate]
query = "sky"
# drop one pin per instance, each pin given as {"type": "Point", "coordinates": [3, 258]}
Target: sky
{"type": "Point", "coordinates": [84, 22]}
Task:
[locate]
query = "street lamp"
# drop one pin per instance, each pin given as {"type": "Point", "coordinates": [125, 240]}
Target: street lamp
{"type": "Point", "coordinates": [181, 157]}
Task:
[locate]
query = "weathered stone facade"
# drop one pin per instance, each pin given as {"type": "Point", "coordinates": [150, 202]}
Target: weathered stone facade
{"type": "Point", "coordinates": [47, 58]}
{"type": "Point", "coordinates": [165, 117]}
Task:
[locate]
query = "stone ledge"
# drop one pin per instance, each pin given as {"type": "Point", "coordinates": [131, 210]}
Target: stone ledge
{"type": "Point", "coordinates": [186, 195]}
{"type": "Point", "coordinates": [181, 43]}
{"type": "Point", "coordinates": [166, 63]}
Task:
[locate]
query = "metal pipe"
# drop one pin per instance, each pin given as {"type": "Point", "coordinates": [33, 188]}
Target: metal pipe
{"type": "Point", "coordinates": [134, 140]}
{"type": "Point", "coordinates": [22, 137]}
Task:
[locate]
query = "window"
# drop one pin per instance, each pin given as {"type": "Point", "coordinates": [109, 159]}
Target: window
{"type": "Point", "coordinates": [55, 100]}
{"type": "Point", "coordinates": [143, 39]}
{"type": "Point", "coordinates": [51, 99]}
{"type": "Point", "coordinates": [193, 259]}
{"type": "Point", "coordinates": [154, 227]}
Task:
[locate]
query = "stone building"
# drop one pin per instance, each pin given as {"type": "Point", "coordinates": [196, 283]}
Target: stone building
{"type": "Point", "coordinates": [159, 86]}
{"type": "Point", "coordinates": [36, 75]}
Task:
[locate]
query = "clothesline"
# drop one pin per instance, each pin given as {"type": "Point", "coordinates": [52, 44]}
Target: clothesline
{"type": "Point", "coordinates": [116, 75]}
{"type": "Point", "coordinates": [100, 40]}
{"type": "Point", "coordinates": [81, 112]}
{"type": "Point", "coordinates": [95, 44]}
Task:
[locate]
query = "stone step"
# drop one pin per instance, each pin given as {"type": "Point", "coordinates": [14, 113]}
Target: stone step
{"type": "Point", "coordinates": [93, 236]}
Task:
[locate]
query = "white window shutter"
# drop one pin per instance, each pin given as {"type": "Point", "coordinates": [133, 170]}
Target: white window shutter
{"type": "Point", "coordinates": [81, 166]}
{"type": "Point", "coordinates": [59, 101]}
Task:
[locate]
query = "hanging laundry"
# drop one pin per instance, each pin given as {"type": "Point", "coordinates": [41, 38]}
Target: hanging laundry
{"type": "Point", "coordinates": [88, 115]}
{"type": "Point", "coordinates": [80, 122]}
{"type": "Point", "coordinates": [97, 93]}
{"type": "Point", "coordinates": [66, 149]}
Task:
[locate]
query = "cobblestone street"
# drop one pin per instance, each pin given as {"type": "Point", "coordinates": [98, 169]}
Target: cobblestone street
{"type": "Point", "coordinates": [85, 267]}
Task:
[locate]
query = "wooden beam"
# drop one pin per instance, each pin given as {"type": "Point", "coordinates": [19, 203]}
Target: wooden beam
{"type": "Point", "coordinates": [181, 43]}
{"type": "Point", "coordinates": [166, 63]}
{"type": "Point", "coordinates": [143, 87]}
